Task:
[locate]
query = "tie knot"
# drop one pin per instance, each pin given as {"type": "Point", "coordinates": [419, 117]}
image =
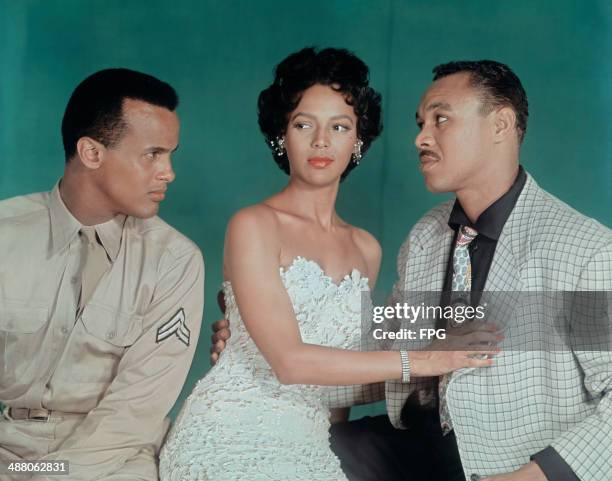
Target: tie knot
{"type": "Point", "coordinates": [89, 232]}
{"type": "Point", "coordinates": [466, 235]}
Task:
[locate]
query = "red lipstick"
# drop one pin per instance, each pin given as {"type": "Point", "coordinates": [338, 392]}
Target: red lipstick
{"type": "Point", "coordinates": [320, 162]}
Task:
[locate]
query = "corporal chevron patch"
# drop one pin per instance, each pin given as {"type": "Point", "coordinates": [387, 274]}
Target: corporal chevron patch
{"type": "Point", "coordinates": [176, 326]}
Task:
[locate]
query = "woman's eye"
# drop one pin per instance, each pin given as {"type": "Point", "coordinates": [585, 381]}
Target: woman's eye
{"type": "Point", "coordinates": [341, 128]}
{"type": "Point", "coordinates": [301, 125]}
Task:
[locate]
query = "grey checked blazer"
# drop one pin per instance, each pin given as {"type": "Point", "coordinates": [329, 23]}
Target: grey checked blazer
{"type": "Point", "coordinates": [529, 399]}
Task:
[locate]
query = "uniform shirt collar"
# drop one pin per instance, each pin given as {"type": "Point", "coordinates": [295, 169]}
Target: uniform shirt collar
{"type": "Point", "coordinates": [65, 227]}
{"type": "Point", "coordinates": [491, 222]}
{"type": "Point", "coordinates": [110, 234]}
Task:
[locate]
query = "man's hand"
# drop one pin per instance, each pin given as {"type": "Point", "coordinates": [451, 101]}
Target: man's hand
{"type": "Point", "coordinates": [221, 333]}
{"type": "Point", "coordinates": [529, 472]}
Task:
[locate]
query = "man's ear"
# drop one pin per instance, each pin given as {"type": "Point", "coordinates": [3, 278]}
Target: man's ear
{"type": "Point", "coordinates": [504, 124]}
{"type": "Point", "coordinates": [90, 152]}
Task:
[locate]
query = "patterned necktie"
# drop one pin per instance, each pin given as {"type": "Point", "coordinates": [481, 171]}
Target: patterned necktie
{"type": "Point", "coordinates": [96, 263]}
{"type": "Point", "coordinates": [462, 282]}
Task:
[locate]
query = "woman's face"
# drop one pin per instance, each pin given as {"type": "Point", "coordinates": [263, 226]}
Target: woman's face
{"type": "Point", "coordinates": [321, 135]}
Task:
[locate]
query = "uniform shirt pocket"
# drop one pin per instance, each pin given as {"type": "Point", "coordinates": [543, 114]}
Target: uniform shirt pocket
{"type": "Point", "coordinates": [99, 341]}
{"type": "Point", "coordinates": [20, 337]}
{"type": "Point", "coordinates": [118, 328]}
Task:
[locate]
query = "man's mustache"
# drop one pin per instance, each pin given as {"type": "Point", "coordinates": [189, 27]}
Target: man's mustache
{"type": "Point", "coordinates": [429, 153]}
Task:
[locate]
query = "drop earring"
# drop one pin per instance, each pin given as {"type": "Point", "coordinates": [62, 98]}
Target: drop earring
{"type": "Point", "coordinates": [278, 146]}
{"type": "Point", "coordinates": [356, 156]}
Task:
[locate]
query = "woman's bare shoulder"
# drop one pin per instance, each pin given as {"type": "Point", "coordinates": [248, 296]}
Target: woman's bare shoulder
{"type": "Point", "coordinates": [367, 244]}
{"type": "Point", "coordinates": [257, 217]}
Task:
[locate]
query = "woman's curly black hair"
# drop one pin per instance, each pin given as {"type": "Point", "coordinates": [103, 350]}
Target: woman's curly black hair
{"type": "Point", "coordinates": [338, 68]}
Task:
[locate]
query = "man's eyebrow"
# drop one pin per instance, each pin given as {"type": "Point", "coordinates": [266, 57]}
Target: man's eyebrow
{"type": "Point", "coordinates": [160, 149]}
{"type": "Point", "coordinates": [433, 106]}
{"type": "Point", "coordinates": [438, 105]}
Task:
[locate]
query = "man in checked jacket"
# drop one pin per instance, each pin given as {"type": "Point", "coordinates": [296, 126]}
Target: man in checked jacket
{"type": "Point", "coordinates": [535, 415]}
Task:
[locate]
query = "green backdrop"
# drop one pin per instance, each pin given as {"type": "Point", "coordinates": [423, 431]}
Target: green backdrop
{"type": "Point", "coordinates": [220, 54]}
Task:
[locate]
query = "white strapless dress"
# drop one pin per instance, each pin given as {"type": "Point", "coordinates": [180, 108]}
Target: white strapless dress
{"type": "Point", "coordinates": [240, 423]}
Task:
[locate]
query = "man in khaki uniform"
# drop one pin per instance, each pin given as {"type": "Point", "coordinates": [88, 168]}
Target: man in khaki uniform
{"type": "Point", "coordinates": [100, 300]}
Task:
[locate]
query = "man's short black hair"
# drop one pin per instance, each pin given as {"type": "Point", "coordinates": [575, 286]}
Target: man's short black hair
{"type": "Point", "coordinates": [95, 107]}
{"type": "Point", "coordinates": [498, 84]}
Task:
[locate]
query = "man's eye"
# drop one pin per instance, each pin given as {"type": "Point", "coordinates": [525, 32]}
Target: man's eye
{"type": "Point", "coordinates": [440, 119]}
{"type": "Point", "coordinates": [419, 124]}
{"type": "Point", "coordinates": [151, 155]}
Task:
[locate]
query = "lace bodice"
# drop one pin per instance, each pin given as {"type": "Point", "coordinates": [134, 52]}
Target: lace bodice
{"type": "Point", "coordinates": [328, 313]}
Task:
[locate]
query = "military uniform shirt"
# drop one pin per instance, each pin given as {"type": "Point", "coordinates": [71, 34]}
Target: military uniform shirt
{"type": "Point", "coordinates": [122, 361]}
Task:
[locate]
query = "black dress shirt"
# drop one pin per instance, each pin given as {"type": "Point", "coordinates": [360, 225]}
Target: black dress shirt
{"type": "Point", "coordinates": [489, 227]}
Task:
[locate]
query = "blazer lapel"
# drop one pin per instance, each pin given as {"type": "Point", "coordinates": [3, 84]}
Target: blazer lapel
{"type": "Point", "coordinates": [512, 249]}
{"type": "Point", "coordinates": [504, 274]}
{"type": "Point", "coordinates": [431, 263]}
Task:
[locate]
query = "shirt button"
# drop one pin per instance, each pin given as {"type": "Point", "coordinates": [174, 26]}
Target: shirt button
{"type": "Point", "coordinates": [73, 280]}
{"type": "Point", "coordinates": [110, 335]}
{"type": "Point", "coordinates": [64, 330]}
{"type": "Point", "coordinates": [474, 477]}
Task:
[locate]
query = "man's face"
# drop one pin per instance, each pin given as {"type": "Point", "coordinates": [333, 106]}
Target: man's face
{"type": "Point", "coordinates": [136, 172]}
{"type": "Point", "coordinates": [455, 139]}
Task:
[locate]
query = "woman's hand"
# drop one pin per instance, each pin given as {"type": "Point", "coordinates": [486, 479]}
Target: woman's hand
{"type": "Point", "coordinates": [471, 345]}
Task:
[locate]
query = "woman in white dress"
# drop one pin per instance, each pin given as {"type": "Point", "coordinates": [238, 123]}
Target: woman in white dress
{"type": "Point", "coordinates": [295, 273]}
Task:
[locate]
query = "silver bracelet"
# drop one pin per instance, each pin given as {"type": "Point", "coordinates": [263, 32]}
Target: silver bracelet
{"type": "Point", "coordinates": [405, 366]}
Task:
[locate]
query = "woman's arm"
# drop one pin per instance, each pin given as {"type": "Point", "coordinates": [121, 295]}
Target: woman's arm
{"type": "Point", "coordinates": [252, 252]}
